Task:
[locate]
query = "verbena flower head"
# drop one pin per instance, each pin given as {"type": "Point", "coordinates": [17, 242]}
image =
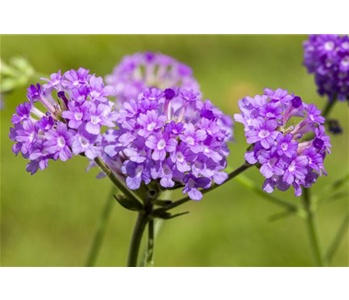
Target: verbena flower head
{"type": "Point", "coordinates": [169, 137]}
{"type": "Point", "coordinates": [287, 138]}
{"type": "Point", "coordinates": [62, 117]}
{"type": "Point", "coordinates": [141, 70]}
{"type": "Point", "coordinates": [327, 57]}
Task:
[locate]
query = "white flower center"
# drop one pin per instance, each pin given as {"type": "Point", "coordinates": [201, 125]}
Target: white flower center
{"type": "Point", "coordinates": [180, 156]}
{"type": "Point", "coordinates": [31, 136]}
{"type": "Point", "coordinates": [345, 61]}
{"type": "Point", "coordinates": [329, 46]}
{"type": "Point", "coordinates": [161, 144]}
{"type": "Point", "coordinates": [292, 166]}
{"type": "Point", "coordinates": [151, 126]}
{"type": "Point", "coordinates": [263, 133]}
{"type": "Point", "coordinates": [95, 120]}
{"type": "Point", "coordinates": [139, 171]}
{"type": "Point", "coordinates": [78, 116]}
{"type": "Point", "coordinates": [284, 146]}
{"type": "Point", "coordinates": [83, 141]}
{"type": "Point", "coordinates": [61, 142]}
{"type": "Point", "coordinates": [345, 45]}
{"type": "Point", "coordinates": [190, 140]}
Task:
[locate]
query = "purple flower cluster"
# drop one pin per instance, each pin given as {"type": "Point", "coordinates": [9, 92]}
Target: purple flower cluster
{"type": "Point", "coordinates": [141, 70]}
{"type": "Point", "coordinates": [327, 57]}
{"type": "Point", "coordinates": [171, 137]}
{"type": "Point", "coordinates": [62, 117]}
{"type": "Point", "coordinates": [288, 152]}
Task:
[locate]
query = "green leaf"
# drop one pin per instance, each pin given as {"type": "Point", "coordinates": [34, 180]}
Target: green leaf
{"type": "Point", "coordinates": [129, 204]}
{"type": "Point", "coordinates": [167, 216]}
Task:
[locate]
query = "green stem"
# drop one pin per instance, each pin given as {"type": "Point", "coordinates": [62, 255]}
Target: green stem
{"type": "Point", "coordinates": [256, 189]}
{"type": "Point", "coordinates": [115, 180]}
{"type": "Point", "coordinates": [231, 175]}
{"type": "Point", "coordinates": [141, 223]}
{"type": "Point", "coordinates": [100, 232]}
{"type": "Point", "coordinates": [313, 230]}
{"type": "Point", "coordinates": [150, 247]}
{"type": "Point", "coordinates": [328, 107]}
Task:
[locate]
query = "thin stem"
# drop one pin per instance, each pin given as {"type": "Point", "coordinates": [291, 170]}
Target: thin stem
{"type": "Point", "coordinates": [338, 238]}
{"type": "Point", "coordinates": [100, 232]}
{"type": "Point", "coordinates": [313, 230]}
{"type": "Point", "coordinates": [115, 180]}
{"type": "Point", "coordinates": [231, 175]}
{"type": "Point", "coordinates": [141, 223]}
{"type": "Point", "coordinates": [256, 189]}
{"type": "Point", "coordinates": [328, 107]}
{"type": "Point", "coordinates": [150, 247]}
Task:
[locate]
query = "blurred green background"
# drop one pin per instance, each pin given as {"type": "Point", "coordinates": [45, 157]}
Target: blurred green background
{"type": "Point", "coordinates": [49, 219]}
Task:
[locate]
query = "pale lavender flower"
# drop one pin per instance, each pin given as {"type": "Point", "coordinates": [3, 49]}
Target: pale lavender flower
{"type": "Point", "coordinates": [141, 70]}
{"type": "Point", "coordinates": [160, 143]}
{"type": "Point", "coordinates": [58, 142]}
{"type": "Point", "coordinates": [193, 184]}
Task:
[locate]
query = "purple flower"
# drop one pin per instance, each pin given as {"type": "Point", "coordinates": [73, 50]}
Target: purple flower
{"type": "Point", "coordinates": [165, 170]}
{"type": "Point", "coordinates": [279, 95]}
{"type": "Point", "coordinates": [327, 57]}
{"type": "Point", "coordinates": [263, 132]}
{"type": "Point", "coordinates": [98, 115]}
{"type": "Point", "coordinates": [58, 142]}
{"type": "Point", "coordinates": [150, 122]}
{"type": "Point", "coordinates": [314, 114]}
{"type": "Point", "coordinates": [286, 146]}
{"type": "Point", "coordinates": [180, 157]}
{"type": "Point", "coordinates": [136, 149]}
{"type": "Point", "coordinates": [165, 138]}
{"type": "Point", "coordinates": [174, 128]}
{"type": "Point", "coordinates": [84, 142]}
{"type": "Point", "coordinates": [321, 135]}
{"type": "Point", "coordinates": [75, 79]}
{"type": "Point", "coordinates": [288, 153]}
{"type": "Point", "coordinates": [271, 164]}
{"type": "Point", "coordinates": [26, 135]}
{"type": "Point", "coordinates": [193, 138]}
{"type": "Point", "coordinates": [160, 143]}
{"type": "Point", "coordinates": [136, 174]}
{"type": "Point", "coordinates": [33, 92]}
{"type": "Point", "coordinates": [193, 184]}
{"type": "Point", "coordinates": [68, 120]}
{"type": "Point", "coordinates": [141, 70]}
{"type": "Point", "coordinates": [315, 159]}
{"type": "Point", "coordinates": [296, 170]}
{"type": "Point", "coordinates": [98, 90]}
{"type": "Point", "coordinates": [77, 113]}
{"type": "Point", "coordinates": [54, 82]}
{"type": "Point", "coordinates": [22, 113]}
{"type": "Point", "coordinates": [45, 123]}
